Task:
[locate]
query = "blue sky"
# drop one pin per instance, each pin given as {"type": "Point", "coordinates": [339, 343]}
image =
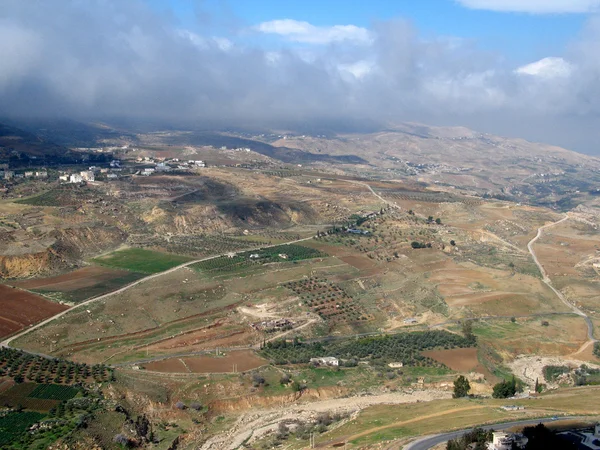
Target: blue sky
{"type": "Point", "coordinates": [520, 36]}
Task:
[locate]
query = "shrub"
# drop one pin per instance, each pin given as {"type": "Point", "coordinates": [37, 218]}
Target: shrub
{"type": "Point", "coordinates": [180, 405]}
{"type": "Point", "coordinates": [196, 406]}
{"type": "Point", "coordinates": [461, 387]}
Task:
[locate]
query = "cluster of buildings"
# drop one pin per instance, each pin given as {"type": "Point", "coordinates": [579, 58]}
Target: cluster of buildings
{"type": "Point", "coordinates": [11, 174]}
{"type": "Point", "coordinates": [90, 174]}
{"type": "Point", "coordinates": [167, 165]}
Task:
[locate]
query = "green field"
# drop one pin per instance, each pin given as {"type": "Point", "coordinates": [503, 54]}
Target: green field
{"type": "Point", "coordinates": [278, 253]}
{"type": "Point", "coordinates": [13, 424]}
{"type": "Point", "coordinates": [53, 392]}
{"type": "Point", "coordinates": [140, 260]}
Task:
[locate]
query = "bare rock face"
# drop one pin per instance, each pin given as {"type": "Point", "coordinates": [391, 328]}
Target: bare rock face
{"type": "Point", "coordinates": [64, 249]}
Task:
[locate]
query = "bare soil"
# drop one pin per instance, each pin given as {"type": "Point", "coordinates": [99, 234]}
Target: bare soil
{"type": "Point", "coordinates": [244, 360]}
{"type": "Point", "coordinates": [459, 359]}
{"type": "Point", "coordinates": [78, 279]}
{"type": "Point", "coordinates": [19, 309]}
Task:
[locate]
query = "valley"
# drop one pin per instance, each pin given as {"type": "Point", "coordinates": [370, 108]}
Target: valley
{"type": "Point", "coordinates": [230, 298]}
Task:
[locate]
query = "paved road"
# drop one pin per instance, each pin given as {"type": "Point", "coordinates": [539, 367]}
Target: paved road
{"type": "Point", "coordinates": [6, 342]}
{"type": "Point", "coordinates": [546, 279]}
{"type": "Point", "coordinates": [427, 442]}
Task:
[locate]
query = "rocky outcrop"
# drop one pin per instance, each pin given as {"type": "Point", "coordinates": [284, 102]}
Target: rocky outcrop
{"type": "Point", "coordinates": [68, 248]}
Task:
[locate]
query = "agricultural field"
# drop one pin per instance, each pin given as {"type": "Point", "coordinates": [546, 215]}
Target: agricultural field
{"type": "Point", "coordinates": [16, 363]}
{"type": "Point", "coordinates": [141, 260]}
{"type": "Point", "coordinates": [241, 361]}
{"type": "Point", "coordinates": [21, 309]}
{"type": "Point", "coordinates": [53, 392]}
{"type": "Point", "coordinates": [328, 300]}
{"type": "Point", "coordinates": [80, 284]}
{"type": "Point", "coordinates": [406, 348]}
{"type": "Point", "coordinates": [199, 245]}
{"type": "Point", "coordinates": [15, 424]}
{"type": "Point", "coordinates": [279, 253]}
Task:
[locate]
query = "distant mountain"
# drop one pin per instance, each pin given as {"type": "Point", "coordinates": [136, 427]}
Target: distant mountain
{"type": "Point", "coordinates": [458, 158]}
{"type": "Point", "coordinates": [71, 133]}
{"type": "Point", "coordinates": [20, 149]}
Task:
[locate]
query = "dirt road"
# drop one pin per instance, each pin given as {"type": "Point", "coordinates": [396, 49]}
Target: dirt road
{"type": "Point", "coordinates": [546, 279]}
{"type": "Point", "coordinates": [6, 342]}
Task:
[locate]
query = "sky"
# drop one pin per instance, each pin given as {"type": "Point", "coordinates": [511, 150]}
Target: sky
{"type": "Point", "coordinates": [519, 68]}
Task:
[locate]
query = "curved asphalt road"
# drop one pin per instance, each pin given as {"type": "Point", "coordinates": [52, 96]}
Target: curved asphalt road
{"type": "Point", "coordinates": [427, 442]}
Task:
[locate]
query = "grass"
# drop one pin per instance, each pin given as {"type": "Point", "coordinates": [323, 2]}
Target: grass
{"type": "Point", "coordinates": [13, 424]}
{"type": "Point", "coordinates": [140, 260]}
{"type": "Point", "coordinates": [389, 422]}
{"type": "Point", "coordinates": [53, 392]}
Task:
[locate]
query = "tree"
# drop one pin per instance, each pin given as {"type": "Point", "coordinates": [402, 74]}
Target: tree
{"type": "Point", "coordinates": [438, 221]}
{"type": "Point", "coordinates": [505, 389]}
{"type": "Point", "coordinates": [430, 219]}
{"type": "Point", "coordinates": [452, 242]}
{"type": "Point", "coordinates": [467, 329]}
{"type": "Point", "coordinates": [461, 387]}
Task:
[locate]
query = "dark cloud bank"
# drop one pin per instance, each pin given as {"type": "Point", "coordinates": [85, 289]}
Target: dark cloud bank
{"type": "Point", "coordinates": [120, 59]}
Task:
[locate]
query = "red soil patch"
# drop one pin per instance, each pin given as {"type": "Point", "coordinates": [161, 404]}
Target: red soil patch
{"type": "Point", "coordinates": [459, 359]}
{"type": "Point", "coordinates": [360, 262]}
{"type": "Point", "coordinates": [18, 309]}
{"type": "Point", "coordinates": [78, 279]}
{"type": "Point", "coordinates": [245, 360]}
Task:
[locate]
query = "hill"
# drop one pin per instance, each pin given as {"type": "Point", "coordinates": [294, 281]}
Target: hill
{"type": "Point", "coordinates": [456, 158]}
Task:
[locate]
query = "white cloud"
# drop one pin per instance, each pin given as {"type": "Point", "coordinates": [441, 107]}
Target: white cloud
{"type": "Point", "coordinates": [357, 70]}
{"type": "Point", "coordinates": [551, 67]}
{"type": "Point", "coordinates": [304, 32]}
{"type": "Point", "coordinates": [534, 6]}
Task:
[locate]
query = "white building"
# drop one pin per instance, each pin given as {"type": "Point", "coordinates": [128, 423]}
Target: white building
{"type": "Point", "coordinates": [41, 174]}
{"type": "Point", "coordinates": [75, 178]}
{"type": "Point", "coordinates": [28, 174]}
{"type": "Point", "coordinates": [505, 441]}
{"type": "Point", "coordinates": [326, 361]}
{"type": "Point", "coordinates": [87, 175]}
{"type": "Point", "coordinates": [9, 174]}
{"type": "Point", "coordinates": [63, 177]}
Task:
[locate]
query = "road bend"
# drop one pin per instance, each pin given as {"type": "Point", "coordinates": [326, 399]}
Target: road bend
{"type": "Point", "coordinates": [546, 279]}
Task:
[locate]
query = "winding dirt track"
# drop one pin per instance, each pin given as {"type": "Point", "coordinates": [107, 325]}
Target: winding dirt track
{"type": "Point", "coordinates": [546, 279]}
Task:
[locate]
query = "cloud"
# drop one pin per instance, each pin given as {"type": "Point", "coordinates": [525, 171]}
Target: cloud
{"type": "Point", "coordinates": [115, 59]}
{"type": "Point", "coordinates": [304, 32]}
{"type": "Point", "coordinates": [534, 6]}
{"type": "Point", "coordinates": [550, 67]}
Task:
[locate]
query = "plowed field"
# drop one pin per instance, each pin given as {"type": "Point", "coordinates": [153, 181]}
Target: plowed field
{"type": "Point", "coordinates": [243, 360]}
{"type": "Point", "coordinates": [19, 309]}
